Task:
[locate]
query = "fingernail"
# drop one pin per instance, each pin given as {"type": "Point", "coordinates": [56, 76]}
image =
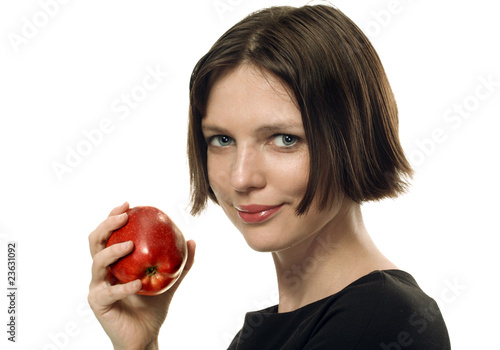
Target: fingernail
{"type": "Point", "coordinates": [127, 245]}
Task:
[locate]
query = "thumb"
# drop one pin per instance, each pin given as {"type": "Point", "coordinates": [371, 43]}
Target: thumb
{"type": "Point", "coordinates": [191, 245]}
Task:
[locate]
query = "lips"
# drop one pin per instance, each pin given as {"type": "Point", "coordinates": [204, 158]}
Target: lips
{"type": "Point", "coordinates": [257, 213]}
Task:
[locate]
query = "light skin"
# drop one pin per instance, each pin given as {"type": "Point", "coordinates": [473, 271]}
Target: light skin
{"type": "Point", "coordinates": [258, 155]}
{"type": "Point", "coordinates": [258, 165]}
{"type": "Point", "coordinates": [131, 321]}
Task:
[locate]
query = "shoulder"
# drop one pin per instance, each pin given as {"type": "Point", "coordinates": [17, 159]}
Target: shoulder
{"type": "Point", "coordinates": [384, 308]}
{"type": "Point", "coordinates": [388, 292]}
{"type": "Point", "coordinates": [392, 290]}
{"type": "Point", "coordinates": [406, 316]}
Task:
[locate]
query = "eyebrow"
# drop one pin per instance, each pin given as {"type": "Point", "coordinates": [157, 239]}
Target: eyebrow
{"type": "Point", "coordinates": [213, 128]}
{"type": "Point", "coordinates": [270, 128]}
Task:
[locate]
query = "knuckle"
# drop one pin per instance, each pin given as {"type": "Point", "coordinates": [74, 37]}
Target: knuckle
{"type": "Point", "coordinates": [104, 225]}
{"type": "Point", "coordinates": [90, 296]}
{"type": "Point", "coordinates": [91, 299]}
{"type": "Point", "coordinates": [91, 237]}
{"type": "Point", "coordinates": [98, 261]}
{"type": "Point", "coordinates": [110, 292]}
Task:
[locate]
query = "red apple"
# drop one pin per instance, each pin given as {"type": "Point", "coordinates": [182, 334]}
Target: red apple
{"type": "Point", "coordinates": [159, 255]}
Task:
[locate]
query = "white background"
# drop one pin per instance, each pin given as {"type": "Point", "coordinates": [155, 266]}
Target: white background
{"type": "Point", "coordinates": [63, 68]}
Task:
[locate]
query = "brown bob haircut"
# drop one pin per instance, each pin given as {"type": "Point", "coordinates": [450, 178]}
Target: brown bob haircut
{"type": "Point", "coordinates": [348, 110]}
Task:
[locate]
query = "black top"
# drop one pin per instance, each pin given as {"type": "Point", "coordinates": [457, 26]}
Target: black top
{"type": "Point", "coordinates": [382, 310]}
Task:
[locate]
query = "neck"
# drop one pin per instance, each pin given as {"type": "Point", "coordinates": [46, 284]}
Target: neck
{"type": "Point", "coordinates": [327, 261]}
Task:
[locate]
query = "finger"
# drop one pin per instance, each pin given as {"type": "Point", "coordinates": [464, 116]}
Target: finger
{"type": "Point", "coordinates": [120, 209]}
{"type": "Point", "coordinates": [102, 299]}
{"type": "Point", "coordinates": [189, 264]}
{"type": "Point", "coordinates": [108, 256]}
{"type": "Point", "coordinates": [107, 225]}
{"type": "Point", "coordinates": [191, 252]}
{"type": "Point", "coordinates": [98, 238]}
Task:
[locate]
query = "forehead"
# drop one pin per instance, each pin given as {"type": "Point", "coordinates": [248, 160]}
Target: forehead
{"type": "Point", "coordinates": [251, 95]}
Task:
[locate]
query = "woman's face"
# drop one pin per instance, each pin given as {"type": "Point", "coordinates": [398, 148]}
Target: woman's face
{"type": "Point", "coordinates": [258, 159]}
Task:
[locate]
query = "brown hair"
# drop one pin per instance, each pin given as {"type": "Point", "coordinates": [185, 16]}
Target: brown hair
{"type": "Point", "coordinates": [348, 109]}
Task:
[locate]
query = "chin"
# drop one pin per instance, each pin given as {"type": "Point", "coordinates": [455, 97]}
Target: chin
{"type": "Point", "coordinates": [264, 242]}
{"type": "Point", "coordinates": [261, 248]}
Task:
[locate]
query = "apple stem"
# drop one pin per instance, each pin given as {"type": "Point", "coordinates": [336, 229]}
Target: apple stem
{"type": "Point", "coordinates": [151, 271]}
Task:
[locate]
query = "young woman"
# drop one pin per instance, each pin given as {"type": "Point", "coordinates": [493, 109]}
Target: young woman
{"type": "Point", "coordinates": [292, 126]}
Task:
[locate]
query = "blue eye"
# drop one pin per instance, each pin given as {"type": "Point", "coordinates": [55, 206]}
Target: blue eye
{"type": "Point", "coordinates": [220, 141]}
{"type": "Point", "coordinates": [285, 140]}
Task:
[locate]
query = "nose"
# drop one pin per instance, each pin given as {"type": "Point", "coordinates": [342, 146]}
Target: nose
{"type": "Point", "coordinates": [248, 171]}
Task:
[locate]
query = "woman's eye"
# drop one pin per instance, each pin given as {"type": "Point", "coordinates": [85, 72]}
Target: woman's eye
{"type": "Point", "coordinates": [285, 140]}
{"type": "Point", "coordinates": [220, 140]}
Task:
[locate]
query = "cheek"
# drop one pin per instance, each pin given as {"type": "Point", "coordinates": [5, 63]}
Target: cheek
{"type": "Point", "coordinates": [292, 175]}
{"type": "Point", "coordinates": [217, 175]}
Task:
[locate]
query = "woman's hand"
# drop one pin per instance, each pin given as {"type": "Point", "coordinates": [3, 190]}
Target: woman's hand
{"type": "Point", "coordinates": [130, 320]}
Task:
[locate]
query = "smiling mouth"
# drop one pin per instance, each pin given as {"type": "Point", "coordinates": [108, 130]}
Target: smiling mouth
{"type": "Point", "coordinates": [253, 214]}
